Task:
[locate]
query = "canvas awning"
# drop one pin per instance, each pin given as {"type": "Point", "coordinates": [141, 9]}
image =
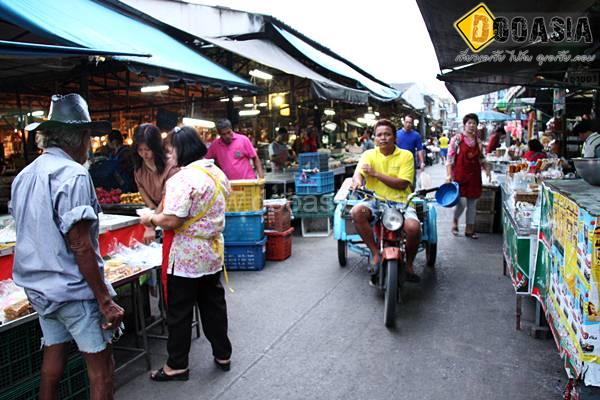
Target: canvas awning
{"type": "Point", "coordinates": [21, 49]}
{"type": "Point", "coordinates": [378, 91]}
{"type": "Point", "coordinates": [92, 25]}
{"type": "Point", "coordinates": [267, 53]}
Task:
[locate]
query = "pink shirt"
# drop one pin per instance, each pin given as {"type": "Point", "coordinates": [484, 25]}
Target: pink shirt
{"type": "Point", "coordinates": [234, 159]}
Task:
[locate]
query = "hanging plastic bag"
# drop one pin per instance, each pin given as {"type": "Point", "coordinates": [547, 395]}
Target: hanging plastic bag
{"type": "Point", "coordinates": [425, 181]}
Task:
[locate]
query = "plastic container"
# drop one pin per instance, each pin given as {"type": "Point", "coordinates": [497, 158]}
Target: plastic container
{"type": "Point", "coordinates": [279, 245]}
{"type": "Point", "coordinates": [448, 194]}
{"type": "Point", "coordinates": [487, 201]}
{"type": "Point", "coordinates": [246, 195]}
{"type": "Point", "coordinates": [20, 353]}
{"type": "Point", "coordinates": [484, 222]}
{"type": "Point", "coordinates": [319, 183]}
{"type": "Point", "coordinates": [245, 256]}
{"type": "Point", "coordinates": [244, 226]}
{"type": "Point", "coordinates": [279, 215]}
{"type": "Point", "coordinates": [313, 161]}
{"type": "Point", "coordinates": [316, 227]}
{"type": "Point", "coordinates": [313, 206]}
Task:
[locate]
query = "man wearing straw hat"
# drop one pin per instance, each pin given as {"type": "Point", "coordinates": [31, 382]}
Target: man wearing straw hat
{"type": "Point", "coordinates": [57, 257]}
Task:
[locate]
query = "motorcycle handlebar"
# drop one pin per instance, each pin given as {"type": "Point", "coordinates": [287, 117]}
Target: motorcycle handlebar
{"type": "Point", "coordinates": [370, 193]}
{"type": "Point", "coordinates": [423, 192]}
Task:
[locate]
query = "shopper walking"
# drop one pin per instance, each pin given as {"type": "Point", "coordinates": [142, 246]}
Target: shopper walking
{"type": "Point", "coordinates": [57, 256]}
{"type": "Point", "coordinates": [152, 169]}
{"type": "Point", "coordinates": [465, 162]}
{"type": "Point", "coordinates": [409, 139]}
{"type": "Point", "coordinates": [444, 147]}
{"type": "Point", "coordinates": [194, 207]}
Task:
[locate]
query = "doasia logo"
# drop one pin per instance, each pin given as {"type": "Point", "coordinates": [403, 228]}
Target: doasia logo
{"type": "Point", "coordinates": [478, 28]}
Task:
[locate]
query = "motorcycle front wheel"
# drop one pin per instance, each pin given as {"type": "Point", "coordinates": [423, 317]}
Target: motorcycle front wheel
{"type": "Point", "coordinates": [391, 292]}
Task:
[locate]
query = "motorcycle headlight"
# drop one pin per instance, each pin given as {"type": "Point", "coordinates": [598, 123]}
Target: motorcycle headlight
{"type": "Point", "coordinates": [392, 219]}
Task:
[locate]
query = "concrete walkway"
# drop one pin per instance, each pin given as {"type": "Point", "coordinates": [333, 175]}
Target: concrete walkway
{"type": "Point", "coordinates": [308, 329]}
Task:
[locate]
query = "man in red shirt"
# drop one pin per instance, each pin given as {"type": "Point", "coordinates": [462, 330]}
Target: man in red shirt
{"type": "Point", "coordinates": [232, 152]}
{"type": "Point", "coordinates": [494, 142]}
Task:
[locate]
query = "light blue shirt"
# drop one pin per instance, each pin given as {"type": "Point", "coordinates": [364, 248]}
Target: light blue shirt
{"type": "Point", "coordinates": [48, 197]}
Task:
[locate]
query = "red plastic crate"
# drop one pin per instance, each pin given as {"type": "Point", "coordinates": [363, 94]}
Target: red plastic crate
{"type": "Point", "coordinates": [279, 245]}
{"type": "Point", "coordinates": [279, 215]}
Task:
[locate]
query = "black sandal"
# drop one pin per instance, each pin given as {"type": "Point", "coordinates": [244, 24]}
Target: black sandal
{"type": "Point", "coordinates": [225, 366]}
{"type": "Point", "coordinates": [161, 376]}
{"type": "Point", "coordinates": [473, 236]}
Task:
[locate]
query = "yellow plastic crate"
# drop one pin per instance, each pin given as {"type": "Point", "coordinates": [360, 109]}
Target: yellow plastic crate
{"type": "Point", "coordinates": [246, 195]}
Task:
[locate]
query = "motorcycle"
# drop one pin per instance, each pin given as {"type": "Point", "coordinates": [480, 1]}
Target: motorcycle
{"type": "Point", "coordinates": [390, 237]}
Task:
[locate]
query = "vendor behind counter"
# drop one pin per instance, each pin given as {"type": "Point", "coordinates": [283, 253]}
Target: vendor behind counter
{"type": "Point", "coordinates": [113, 165]}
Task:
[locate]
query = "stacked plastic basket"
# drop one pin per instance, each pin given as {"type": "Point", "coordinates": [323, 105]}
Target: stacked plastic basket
{"type": "Point", "coordinates": [21, 361]}
{"type": "Point", "coordinates": [244, 226]}
{"type": "Point", "coordinates": [313, 202]}
{"type": "Point", "coordinates": [278, 229]}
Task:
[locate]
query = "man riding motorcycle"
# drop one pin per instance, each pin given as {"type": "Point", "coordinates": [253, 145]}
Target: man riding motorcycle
{"type": "Point", "coordinates": [388, 171]}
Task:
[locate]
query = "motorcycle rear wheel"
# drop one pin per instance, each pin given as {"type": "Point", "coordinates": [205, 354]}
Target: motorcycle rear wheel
{"type": "Point", "coordinates": [431, 254]}
{"type": "Point", "coordinates": [391, 292]}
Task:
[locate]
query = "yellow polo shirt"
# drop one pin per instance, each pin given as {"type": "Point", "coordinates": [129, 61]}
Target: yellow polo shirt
{"type": "Point", "coordinates": [443, 142]}
{"type": "Point", "coordinates": [399, 164]}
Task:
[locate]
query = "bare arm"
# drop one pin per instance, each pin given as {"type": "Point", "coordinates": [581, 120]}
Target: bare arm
{"type": "Point", "coordinates": [81, 245]}
{"type": "Point", "coordinates": [393, 182]}
{"type": "Point", "coordinates": [449, 172]}
{"type": "Point", "coordinates": [168, 222]}
{"type": "Point", "coordinates": [258, 166]}
{"type": "Point", "coordinates": [421, 154]}
{"type": "Point", "coordinates": [146, 198]}
{"type": "Point", "coordinates": [357, 180]}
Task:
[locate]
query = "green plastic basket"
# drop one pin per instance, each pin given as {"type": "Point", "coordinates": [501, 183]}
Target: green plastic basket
{"type": "Point", "coordinates": [73, 386]}
{"type": "Point", "coordinates": [21, 353]}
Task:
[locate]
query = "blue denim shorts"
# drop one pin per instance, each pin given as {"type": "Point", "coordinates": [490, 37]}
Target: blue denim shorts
{"type": "Point", "coordinates": [373, 206]}
{"type": "Point", "coordinates": [77, 320]}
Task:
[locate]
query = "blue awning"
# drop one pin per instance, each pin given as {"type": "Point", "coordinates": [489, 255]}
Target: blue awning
{"type": "Point", "coordinates": [21, 49]}
{"type": "Point", "coordinates": [377, 90]}
{"type": "Point", "coordinates": [92, 25]}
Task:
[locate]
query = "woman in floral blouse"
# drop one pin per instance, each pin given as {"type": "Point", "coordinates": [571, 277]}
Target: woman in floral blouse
{"type": "Point", "coordinates": [194, 206]}
{"type": "Point", "coordinates": [464, 165]}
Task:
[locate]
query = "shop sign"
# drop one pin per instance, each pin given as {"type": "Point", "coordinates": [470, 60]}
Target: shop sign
{"type": "Point", "coordinates": [582, 78]}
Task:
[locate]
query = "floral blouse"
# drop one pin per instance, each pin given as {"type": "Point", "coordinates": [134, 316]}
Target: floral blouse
{"type": "Point", "coordinates": [197, 250]}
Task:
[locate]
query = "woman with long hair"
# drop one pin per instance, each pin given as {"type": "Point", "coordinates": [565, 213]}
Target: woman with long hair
{"type": "Point", "coordinates": [152, 169]}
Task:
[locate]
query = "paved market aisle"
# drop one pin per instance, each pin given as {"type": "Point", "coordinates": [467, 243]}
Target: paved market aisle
{"type": "Point", "coordinates": [308, 329]}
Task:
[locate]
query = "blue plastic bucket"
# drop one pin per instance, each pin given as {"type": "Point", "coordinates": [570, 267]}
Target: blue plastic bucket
{"type": "Point", "coordinates": [448, 194]}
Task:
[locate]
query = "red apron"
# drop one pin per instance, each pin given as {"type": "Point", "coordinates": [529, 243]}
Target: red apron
{"type": "Point", "coordinates": [467, 169]}
{"type": "Point", "coordinates": [166, 250]}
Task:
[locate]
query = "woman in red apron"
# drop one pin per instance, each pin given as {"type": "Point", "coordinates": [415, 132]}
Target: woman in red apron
{"type": "Point", "coordinates": [464, 166]}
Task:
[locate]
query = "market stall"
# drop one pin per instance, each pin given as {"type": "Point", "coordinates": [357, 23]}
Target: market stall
{"type": "Point", "coordinates": [20, 333]}
{"type": "Point", "coordinates": [567, 273]}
